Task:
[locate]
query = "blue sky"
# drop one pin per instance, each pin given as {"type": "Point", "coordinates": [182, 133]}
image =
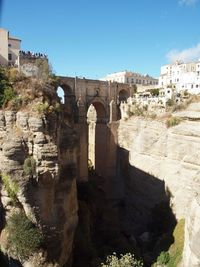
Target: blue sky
{"type": "Point", "coordinates": [92, 38]}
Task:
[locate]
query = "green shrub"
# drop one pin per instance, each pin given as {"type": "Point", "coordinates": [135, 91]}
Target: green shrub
{"type": "Point", "coordinates": [46, 108]}
{"type": "Point", "coordinates": [42, 108]}
{"type": "Point", "coordinates": [163, 258]}
{"type": "Point", "coordinates": [6, 90]}
{"type": "Point", "coordinates": [57, 107]}
{"type": "Point", "coordinates": [176, 248]}
{"type": "Point", "coordinates": [172, 121]}
{"type": "Point", "coordinates": [16, 102]}
{"type": "Point", "coordinates": [29, 166]}
{"type": "Point", "coordinates": [9, 94]}
{"type": "Point", "coordinates": [23, 237]}
{"type": "Point", "coordinates": [11, 187]}
{"type": "Point", "coordinates": [154, 92]}
{"type": "Point", "coordinates": [170, 102]}
{"type": "Point", "coordinates": [14, 75]}
{"type": "Point", "coordinates": [127, 260]}
{"type": "Point", "coordinates": [173, 257]}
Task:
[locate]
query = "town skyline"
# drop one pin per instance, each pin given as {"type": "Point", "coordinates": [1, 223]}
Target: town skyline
{"type": "Point", "coordinates": [94, 39]}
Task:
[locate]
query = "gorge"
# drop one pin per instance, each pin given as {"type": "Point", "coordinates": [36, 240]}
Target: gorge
{"type": "Point", "coordinates": [143, 177]}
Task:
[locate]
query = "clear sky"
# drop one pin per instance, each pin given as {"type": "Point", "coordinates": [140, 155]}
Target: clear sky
{"type": "Point", "coordinates": [92, 38]}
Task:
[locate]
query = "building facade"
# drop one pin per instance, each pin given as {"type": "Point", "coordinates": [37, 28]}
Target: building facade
{"type": "Point", "coordinates": [9, 49]}
{"type": "Point", "coordinates": [182, 76]}
{"type": "Point", "coordinates": [131, 78]}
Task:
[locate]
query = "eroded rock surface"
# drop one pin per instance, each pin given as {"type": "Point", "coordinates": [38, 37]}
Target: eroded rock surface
{"type": "Point", "coordinates": [48, 196]}
{"type": "Point", "coordinates": [191, 253]}
{"type": "Point", "coordinates": [160, 159]}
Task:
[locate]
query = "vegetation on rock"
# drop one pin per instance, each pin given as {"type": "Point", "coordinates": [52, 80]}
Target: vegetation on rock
{"type": "Point", "coordinates": [6, 91]}
{"type": "Point", "coordinates": [23, 237]}
{"type": "Point", "coordinates": [11, 187]}
{"type": "Point", "coordinates": [46, 108]}
{"type": "Point", "coordinates": [154, 92]}
{"type": "Point", "coordinates": [163, 258]}
{"type": "Point", "coordinates": [127, 260]}
{"type": "Point", "coordinates": [172, 257]}
{"type": "Point", "coordinates": [29, 166]}
{"type": "Point", "coordinates": [172, 121]}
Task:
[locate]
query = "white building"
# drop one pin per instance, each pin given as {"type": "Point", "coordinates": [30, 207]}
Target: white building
{"type": "Point", "coordinates": [9, 49]}
{"type": "Point", "coordinates": [183, 76]}
{"type": "Point", "coordinates": [131, 78]}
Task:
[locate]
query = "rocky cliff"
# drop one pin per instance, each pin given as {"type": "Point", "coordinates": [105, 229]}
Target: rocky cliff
{"type": "Point", "coordinates": [46, 188]}
{"type": "Point", "coordinates": [191, 253]}
{"type": "Point", "coordinates": [164, 162]}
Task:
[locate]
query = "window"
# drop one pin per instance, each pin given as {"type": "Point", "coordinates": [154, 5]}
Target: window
{"type": "Point", "coordinates": [9, 56]}
{"type": "Point", "coordinates": [177, 80]}
{"type": "Point", "coordinates": [191, 86]}
{"type": "Point", "coordinates": [197, 86]}
{"type": "Point", "coordinates": [132, 80]}
{"type": "Point", "coordinates": [9, 45]}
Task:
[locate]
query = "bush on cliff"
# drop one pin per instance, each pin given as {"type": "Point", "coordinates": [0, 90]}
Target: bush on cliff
{"type": "Point", "coordinates": [11, 187]}
{"type": "Point", "coordinates": [6, 90]}
{"type": "Point", "coordinates": [172, 257]}
{"type": "Point", "coordinates": [127, 260]}
{"type": "Point", "coordinates": [23, 237]}
{"type": "Point", "coordinates": [172, 121]}
{"type": "Point", "coordinates": [29, 166]}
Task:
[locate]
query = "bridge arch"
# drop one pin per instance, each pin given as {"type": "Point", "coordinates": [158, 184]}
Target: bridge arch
{"type": "Point", "coordinates": [61, 94]}
{"type": "Point", "coordinates": [65, 90]}
{"type": "Point", "coordinates": [97, 136]}
{"type": "Point", "coordinates": [123, 95]}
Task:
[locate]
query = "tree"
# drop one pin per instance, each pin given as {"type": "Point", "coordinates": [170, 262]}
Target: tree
{"type": "Point", "coordinates": [127, 260]}
{"type": "Point", "coordinates": [154, 92]}
{"type": "Point", "coordinates": [23, 237]}
{"type": "Point", "coordinates": [6, 91]}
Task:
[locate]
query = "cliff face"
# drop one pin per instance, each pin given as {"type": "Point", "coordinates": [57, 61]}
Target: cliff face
{"type": "Point", "coordinates": [47, 196]}
{"type": "Point", "coordinates": [162, 159]}
{"type": "Point", "coordinates": [191, 253]}
{"type": "Point", "coordinates": [171, 155]}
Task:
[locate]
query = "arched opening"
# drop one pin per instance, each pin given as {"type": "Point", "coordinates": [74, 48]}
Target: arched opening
{"type": "Point", "coordinates": [97, 137]}
{"type": "Point", "coordinates": [122, 97]}
{"type": "Point", "coordinates": [61, 94]}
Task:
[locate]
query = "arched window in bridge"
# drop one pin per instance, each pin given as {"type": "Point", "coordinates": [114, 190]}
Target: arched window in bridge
{"type": "Point", "coordinates": [97, 136]}
{"type": "Point", "coordinates": [61, 94]}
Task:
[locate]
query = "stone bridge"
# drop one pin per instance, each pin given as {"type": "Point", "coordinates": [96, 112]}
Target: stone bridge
{"type": "Point", "coordinates": [95, 106]}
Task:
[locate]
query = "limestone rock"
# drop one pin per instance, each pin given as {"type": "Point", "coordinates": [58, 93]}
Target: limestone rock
{"type": "Point", "coordinates": [2, 121]}
{"type": "Point", "coordinates": [22, 120]}
{"type": "Point", "coordinates": [191, 253]}
{"type": "Point", "coordinates": [10, 117]}
{"type": "Point", "coordinates": [36, 124]}
{"type": "Point", "coordinates": [170, 155]}
{"type": "Point", "coordinates": [39, 138]}
{"type": "Point", "coordinates": [13, 149]}
{"type": "Point", "coordinates": [48, 196]}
